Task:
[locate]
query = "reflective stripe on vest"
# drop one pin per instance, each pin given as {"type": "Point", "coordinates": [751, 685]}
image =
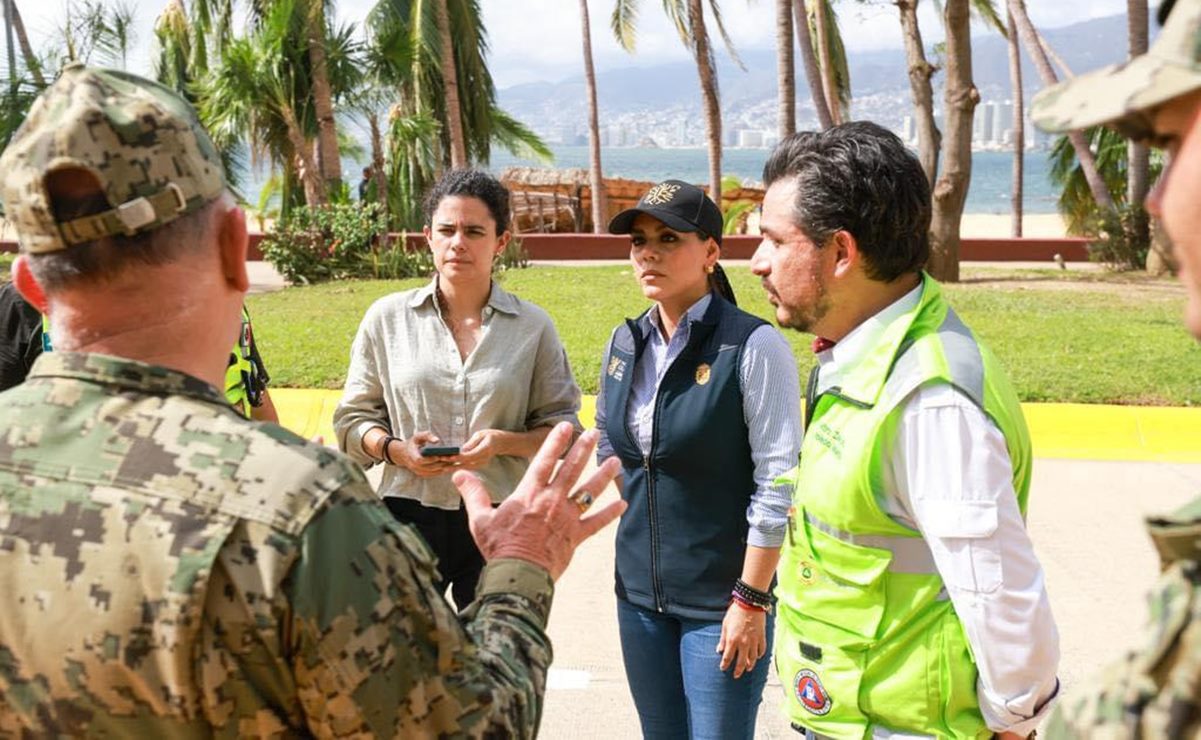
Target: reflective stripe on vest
{"type": "Point", "coordinates": [909, 554]}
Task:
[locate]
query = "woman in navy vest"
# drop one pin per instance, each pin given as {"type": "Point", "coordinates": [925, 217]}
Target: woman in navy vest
{"type": "Point", "coordinates": [701, 402]}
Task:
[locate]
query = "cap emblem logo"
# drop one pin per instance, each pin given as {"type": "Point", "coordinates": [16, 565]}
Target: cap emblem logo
{"type": "Point", "coordinates": [660, 194]}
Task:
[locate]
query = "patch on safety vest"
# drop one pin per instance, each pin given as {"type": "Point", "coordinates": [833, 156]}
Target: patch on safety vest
{"type": "Point", "coordinates": [617, 368]}
{"type": "Point", "coordinates": [810, 692]}
{"type": "Point", "coordinates": [702, 373]}
{"type": "Point", "coordinates": [807, 573]}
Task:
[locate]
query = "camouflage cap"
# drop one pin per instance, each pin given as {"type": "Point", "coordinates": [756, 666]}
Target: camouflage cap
{"type": "Point", "coordinates": [142, 142]}
{"type": "Point", "coordinates": [1122, 95]}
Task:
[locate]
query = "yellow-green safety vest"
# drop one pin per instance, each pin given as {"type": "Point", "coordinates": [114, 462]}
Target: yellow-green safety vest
{"type": "Point", "coordinates": [240, 371]}
{"type": "Point", "coordinates": [867, 637]}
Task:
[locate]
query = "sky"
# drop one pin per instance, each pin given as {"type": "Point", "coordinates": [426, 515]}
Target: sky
{"type": "Point", "coordinates": [533, 40]}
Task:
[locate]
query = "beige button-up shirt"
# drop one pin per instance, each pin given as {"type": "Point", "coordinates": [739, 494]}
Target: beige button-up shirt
{"type": "Point", "coordinates": [406, 376]}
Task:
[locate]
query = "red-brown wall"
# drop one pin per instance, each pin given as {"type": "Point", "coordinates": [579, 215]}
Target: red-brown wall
{"type": "Point", "coordinates": [616, 247]}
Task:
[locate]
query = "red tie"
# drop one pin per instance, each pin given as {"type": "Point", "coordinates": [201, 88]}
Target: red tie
{"type": "Point", "coordinates": [821, 344]}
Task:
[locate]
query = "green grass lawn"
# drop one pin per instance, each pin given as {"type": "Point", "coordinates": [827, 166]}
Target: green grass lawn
{"type": "Point", "coordinates": [1064, 336]}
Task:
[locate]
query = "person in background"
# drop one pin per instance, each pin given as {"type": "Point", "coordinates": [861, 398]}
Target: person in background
{"type": "Point", "coordinates": [912, 603]}
{"type": "Point", "coordinates": [700, 402]}
{"type": "Point", "coordinates": [1155, 689]}
{"type": "Point", "coordinates": [458, 374]}
{"type": "Point", "coordinates": [173, 570]}
{"type": "Point", "coordinates": [365, 184]}
{"type": "Point", "coordinates": [28, 335]}
{"type": "Point", "coordinates": [20, 336]}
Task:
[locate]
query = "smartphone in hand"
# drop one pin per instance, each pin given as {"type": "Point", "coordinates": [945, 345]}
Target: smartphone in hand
{"type": "Point", "coordinates": [436, 451]}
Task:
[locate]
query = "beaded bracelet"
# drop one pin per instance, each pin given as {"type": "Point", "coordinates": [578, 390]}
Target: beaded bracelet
{"type": "Point", "coordinates": [752, 595]}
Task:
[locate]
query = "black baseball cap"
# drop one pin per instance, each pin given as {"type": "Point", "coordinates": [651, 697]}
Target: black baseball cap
{"type": "Point", "coordinates": [680, 205]}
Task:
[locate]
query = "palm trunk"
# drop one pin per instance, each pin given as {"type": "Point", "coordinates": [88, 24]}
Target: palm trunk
{"type": "Point", "coordinates": [314, 187]}
{"type": "Point", "coordinates": [929, 139]}
{"type": "Point", "coordinates": [377, 164]}
{"type": "Point", "coordinates": [1036, 50]}
{"type": "Point", "coordinates": [708, 74]}
{"type": "Point", "coordinates": [813, 75]}
{"type": "Point", "coordinates": [450, 84]}
{"type": "Point", "coordinates": [961, 98]}
{"type": "Point", "coordinates": [12, 53]}
{"type": "Point", "coordinates": [785, 69]}
{"type": "Point", "coordinates": [1138, 167]}
{"type": "Point", "coordinates": [1019, 128]}
{"type": "Point", "coordinates": [328, 157]}
{"type": "Point", "coordinates": [595, 178]}
{"type": "Point", "coordinates": [31, 60]}
{"type": "Point", "coordinates": [829, 86]}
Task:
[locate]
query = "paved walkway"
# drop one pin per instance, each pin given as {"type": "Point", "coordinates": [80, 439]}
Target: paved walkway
{"type": "Point", "coordinates": [1099, 470]}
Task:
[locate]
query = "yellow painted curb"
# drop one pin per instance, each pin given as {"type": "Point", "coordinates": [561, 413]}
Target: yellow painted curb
{"type": "Point", "coordinates": [1060, 430]}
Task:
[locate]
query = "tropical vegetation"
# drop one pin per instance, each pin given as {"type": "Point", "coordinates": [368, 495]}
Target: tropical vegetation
{"type": "Point", "coordinates": [268, 76]}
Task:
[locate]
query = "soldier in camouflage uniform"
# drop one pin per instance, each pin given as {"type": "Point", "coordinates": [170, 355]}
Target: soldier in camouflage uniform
{"type": "Point", "coordinates": [172, 569]}
{"type": "Point", "coordinates": [1155, 690]}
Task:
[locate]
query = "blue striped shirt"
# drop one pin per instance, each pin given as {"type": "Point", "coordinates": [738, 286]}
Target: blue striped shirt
{"type": "Point", "coordinates": [771, 406]}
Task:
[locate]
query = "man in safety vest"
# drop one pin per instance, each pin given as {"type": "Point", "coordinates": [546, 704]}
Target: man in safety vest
{"type": "Point", "coordinates": [1155, 689]}
{"type": "Point", "coordinates": [911, 603]}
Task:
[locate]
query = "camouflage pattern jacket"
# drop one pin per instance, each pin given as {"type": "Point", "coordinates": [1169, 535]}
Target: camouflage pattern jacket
{"type": "Point", "coordinates": [171, 569]}
{"type": "Point", "coordinates": [1155, 690]}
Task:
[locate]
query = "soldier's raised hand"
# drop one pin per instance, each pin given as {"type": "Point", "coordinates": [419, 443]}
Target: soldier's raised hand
{"type": "Point", "coordinates": [544, 520]}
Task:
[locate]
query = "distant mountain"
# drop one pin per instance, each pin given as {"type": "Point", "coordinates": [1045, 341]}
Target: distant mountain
{"type": "Point", "coordinates": [1084, 46]}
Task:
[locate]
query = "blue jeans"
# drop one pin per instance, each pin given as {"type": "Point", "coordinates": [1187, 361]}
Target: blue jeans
{"type": "Point", "coordinates": [673, 669]}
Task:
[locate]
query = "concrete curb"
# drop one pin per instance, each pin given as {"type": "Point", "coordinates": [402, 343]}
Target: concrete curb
{"type": "Point", "coordinates": [1070, 431]}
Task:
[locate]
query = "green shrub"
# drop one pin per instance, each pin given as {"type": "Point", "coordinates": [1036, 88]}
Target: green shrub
{"type": "Point", "coordinates": [1122, 238]}
{"type": "Point", "coordinates": [513, 258]}
{"type": "Point", "coordinates": [336, 242]}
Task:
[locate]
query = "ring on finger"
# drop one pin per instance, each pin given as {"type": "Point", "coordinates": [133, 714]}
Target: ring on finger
{"type": "Point", "coordinates": [581, 499]}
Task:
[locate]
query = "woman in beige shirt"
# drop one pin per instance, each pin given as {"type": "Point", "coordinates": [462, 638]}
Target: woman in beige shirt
{"type": "Point", "coordinates": [459, 363]}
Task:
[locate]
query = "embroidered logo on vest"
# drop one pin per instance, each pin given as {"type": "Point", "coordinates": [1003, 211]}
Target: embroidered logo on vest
{"type": "Point", "coordinates": [808, 573]}
{"type": "Point", "coordinates": [810, 692]}
{"type": "Point", "coordinates": [702, 373]}
{"type": "Point", "coordinates": [617, 368]}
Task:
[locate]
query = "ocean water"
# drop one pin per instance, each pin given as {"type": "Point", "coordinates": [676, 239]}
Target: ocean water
{"type": "Point", "coordinates": [989, 191]}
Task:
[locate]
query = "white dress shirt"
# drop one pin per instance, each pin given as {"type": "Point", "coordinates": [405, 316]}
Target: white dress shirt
{"type": "Point", "coordinates": [949, 476]}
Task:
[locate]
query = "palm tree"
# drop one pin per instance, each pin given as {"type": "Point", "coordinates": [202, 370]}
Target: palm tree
{"type": "Point", "coordinates": [11, 46]}
{"type": "Point", "coordinates": [32, 64]}
{"type": "Point", "coordinates": [594, 152]}
{"type": "Point", "coordinates": [316, 36]}
{"type": "Point", "coordinates": [1019, 126]}
{"type": "Point", "coordinates": [813, 75]}
{"type": "Point", "coordinates": [1139, 228]}
{"type": "Point", "coordinates": [835, 73]}
{"type": "Point", "coordinates": [450, 86]}
{"type": "Point", "coordinates": [1035, 48]}
{"type": "Point", "coordinates": [688, 17]}
{"type": "Point", "coordinates": [260, 91]}
{"type": "Point", "coordinates": [961, 97]}
{"type": "Point", "coordinates": [929, 139]}
{"type": "Point", "coordinates": [785, 70]}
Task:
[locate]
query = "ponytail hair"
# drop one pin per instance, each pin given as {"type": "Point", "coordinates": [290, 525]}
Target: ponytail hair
{"type": "Point", "coordinates": [720, 284]}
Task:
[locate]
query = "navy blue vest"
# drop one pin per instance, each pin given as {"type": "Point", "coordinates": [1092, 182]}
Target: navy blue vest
{"type": "Point", "coordinates": [681, 543]}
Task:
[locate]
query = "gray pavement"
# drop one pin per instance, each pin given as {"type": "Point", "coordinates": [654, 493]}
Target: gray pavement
{"type": "Point", "coordinates": [1085, 520]}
